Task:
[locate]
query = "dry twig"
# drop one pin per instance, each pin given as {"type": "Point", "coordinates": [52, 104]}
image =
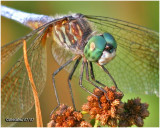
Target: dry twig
{"type": "Point", "coordinates": [35, 94]}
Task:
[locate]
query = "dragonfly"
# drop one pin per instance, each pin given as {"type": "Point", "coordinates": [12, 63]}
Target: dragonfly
{"type": "Point", "coordinates": [127, 54]}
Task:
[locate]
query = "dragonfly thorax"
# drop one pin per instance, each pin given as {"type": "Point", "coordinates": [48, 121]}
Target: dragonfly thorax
{"type": "Point", "coordinates": [71, 33]}
{"type": "Point", "coordinates": [101, 48]}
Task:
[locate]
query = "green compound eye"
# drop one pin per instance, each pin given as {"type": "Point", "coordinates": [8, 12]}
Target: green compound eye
{"type": "Point", "coordinates": [96, 45]}
{"type": "Point", "coordinates": [94, 48]}
{"type": "Point", "coordinates": [110, 40]}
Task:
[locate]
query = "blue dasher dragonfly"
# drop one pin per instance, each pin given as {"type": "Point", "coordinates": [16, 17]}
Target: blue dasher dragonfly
{"type": "Point", "coordinates": [78, 37]}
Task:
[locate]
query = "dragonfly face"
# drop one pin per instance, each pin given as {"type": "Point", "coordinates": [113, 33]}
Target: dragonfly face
{"type": "Point", "coordinates": [101, 48]}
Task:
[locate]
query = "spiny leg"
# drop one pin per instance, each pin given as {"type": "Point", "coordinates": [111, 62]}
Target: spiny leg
{"type": "Point", "coordinates": [80, 83]}
{"type": "Point", "coordinates": [92, 74]}
{"type": "Point", "coordinates": [87, 77]}
{"type": "Point", "coordinates": [105, 70]}
{"type": "Point", "coordinates": [69, 79]}
{"type": "Point", "coordinates": [53, 79]}
{"type": "Point", "coordinates": [93, 77]}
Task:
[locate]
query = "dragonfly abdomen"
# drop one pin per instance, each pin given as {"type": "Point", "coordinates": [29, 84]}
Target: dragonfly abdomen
{"type": "Point", "coordinates": [72, 32]}
{"type": "Point", "coordinates": [29, 19]}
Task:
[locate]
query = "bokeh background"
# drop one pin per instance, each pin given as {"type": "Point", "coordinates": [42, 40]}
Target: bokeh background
{"type": "Point", "coordinates": [141, 13]}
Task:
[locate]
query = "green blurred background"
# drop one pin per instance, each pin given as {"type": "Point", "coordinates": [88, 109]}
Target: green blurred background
{"type": "Point", "coordinates": [141, 13]}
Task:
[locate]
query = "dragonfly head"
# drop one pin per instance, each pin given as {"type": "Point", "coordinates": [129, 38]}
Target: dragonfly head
{"type": "Point", "coordinates": [101, 48]}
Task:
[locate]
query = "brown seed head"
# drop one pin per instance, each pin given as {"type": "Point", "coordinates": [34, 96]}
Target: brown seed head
{"type": "Point", "coordinates": [108, 108]}
{"type": "Point", "coordinates": [66, 117]}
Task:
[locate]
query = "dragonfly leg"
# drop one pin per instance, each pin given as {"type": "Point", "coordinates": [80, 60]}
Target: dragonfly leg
{"type": "Point", "coordinates": [53, 79]}
{"type": "Point", "coordinates": [80, 83]}
{"type": "Point", "coordinates": [92, 75]}
{"type": "Point", "coordinates": [87, 77]}
{"type": "Point", "coordinates": [105, 70]}
{"type": "Point", "coordinates": [69, 79]}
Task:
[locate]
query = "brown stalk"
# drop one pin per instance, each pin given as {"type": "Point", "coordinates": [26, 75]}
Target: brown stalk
{"type": "Point", "coordinates": [35, 94]}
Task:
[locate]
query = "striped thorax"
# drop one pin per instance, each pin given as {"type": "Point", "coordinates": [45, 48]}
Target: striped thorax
{"type": "Point", "coordinates": [72, 32]}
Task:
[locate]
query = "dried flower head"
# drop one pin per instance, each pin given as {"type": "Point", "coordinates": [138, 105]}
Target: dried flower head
{"type": "Point", "coordinates": [135, 112]}
{"type": "Point", "coordinates": [110, 108]}
{"type": "Point", "coordinates": [113, 112]}
{"type": "Point", "coordinates": [67, 117]}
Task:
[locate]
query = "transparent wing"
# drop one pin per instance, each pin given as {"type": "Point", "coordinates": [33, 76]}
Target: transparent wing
{"type": "Point", "coordinates": [11, 48]}
{"type": "Point", "coordinates": [16, 93]}
{"type": "Point", "coordinates": [62, 55]}
{"type": "Point", "coordinates": [135, 68]}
